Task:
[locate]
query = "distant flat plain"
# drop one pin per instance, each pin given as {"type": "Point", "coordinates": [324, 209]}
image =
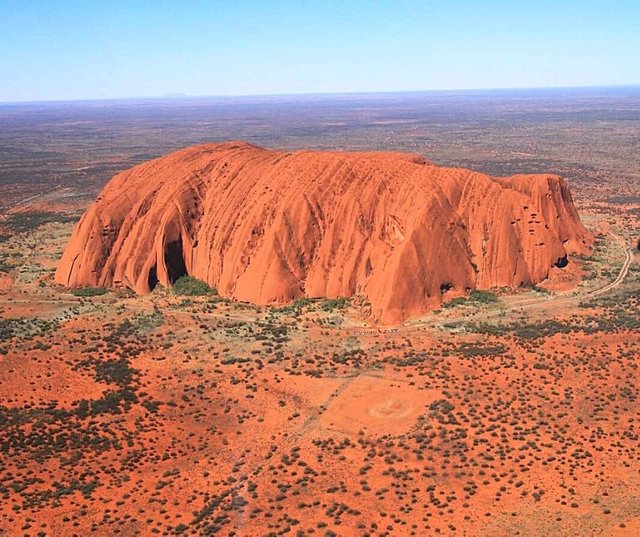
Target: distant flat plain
{"type": "Point", "coordinates": [590, 134]}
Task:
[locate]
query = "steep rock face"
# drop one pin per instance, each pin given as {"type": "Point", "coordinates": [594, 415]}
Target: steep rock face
{"type": "Point", "coordinates": [269, 226]}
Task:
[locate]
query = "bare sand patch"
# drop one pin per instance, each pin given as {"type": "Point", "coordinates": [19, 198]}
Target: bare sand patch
{"type": "Point", "coordinates": [377, 406]}
{"type": "Point", "coordinates": [629, 527]}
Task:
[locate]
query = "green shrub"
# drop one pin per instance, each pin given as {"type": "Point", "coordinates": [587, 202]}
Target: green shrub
{"type": "Point", "coordinates": [5, 264]}
{"type": "Point", "coordinates": [483, 297]}
{"type": "Point", "coordinates": [335, 303]}
{"type": "Point", "coordinates": [475, 298]}
{"type": "Point", "coordinates": [89, 291]}
{"type": "Point", "coordinates": [295, 307]}
{"type": "Point", "coordinates": [459, 301]}
{"type": "Point", "coordinates": [189, 286]}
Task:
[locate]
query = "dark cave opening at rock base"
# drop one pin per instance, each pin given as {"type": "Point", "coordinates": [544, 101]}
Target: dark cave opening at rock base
{"type": "Point", "coordinates": [152, 279]}
{"type": "Point", "coordinates": [174, 260]}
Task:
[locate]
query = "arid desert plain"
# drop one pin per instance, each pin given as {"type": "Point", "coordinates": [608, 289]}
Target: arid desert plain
{"type": "Point", "coordinates": [190, 409]}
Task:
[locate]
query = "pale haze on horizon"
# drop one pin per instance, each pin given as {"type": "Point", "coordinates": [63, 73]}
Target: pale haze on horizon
{"type": "Point", "coordinates": [68, 50]}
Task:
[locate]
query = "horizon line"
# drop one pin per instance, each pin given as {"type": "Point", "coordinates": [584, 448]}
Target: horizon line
{"type": "Point", "coordinates": [176, 96]}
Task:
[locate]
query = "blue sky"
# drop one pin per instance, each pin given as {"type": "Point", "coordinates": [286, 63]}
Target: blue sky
{"type": "Point", "coordinates": [57, 49]}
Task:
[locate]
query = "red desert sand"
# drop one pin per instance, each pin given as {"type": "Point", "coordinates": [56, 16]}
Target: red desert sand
{"type": "Point", "coordinates": [268, 226]}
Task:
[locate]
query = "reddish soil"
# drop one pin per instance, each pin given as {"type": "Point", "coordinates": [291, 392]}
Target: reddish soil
{"type": "Point", "coordinates": [194, 415]}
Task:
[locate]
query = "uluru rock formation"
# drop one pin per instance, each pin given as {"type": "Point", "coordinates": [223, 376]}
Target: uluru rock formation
{"type": "Point", "coordinates": [269, 226]}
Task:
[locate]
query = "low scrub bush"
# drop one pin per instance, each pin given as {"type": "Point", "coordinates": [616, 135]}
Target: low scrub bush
{"type": "Point", "coordinates": [189, 286]}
